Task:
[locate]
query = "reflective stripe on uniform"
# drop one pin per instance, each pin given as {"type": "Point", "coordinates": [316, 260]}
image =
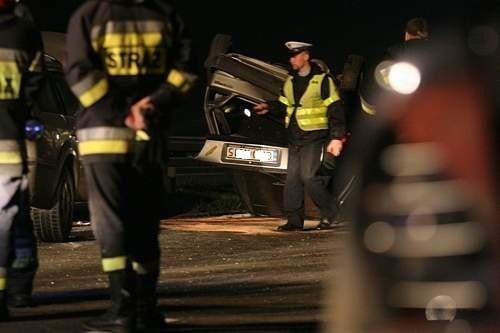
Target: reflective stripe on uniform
{"type": "Point", "coordinates": [181, 80]}
{"type": "Point", "coordinates": [329, 101]}
{"type": "Point", "coordinates": [93, 147]}
{"type": "Point", "coordinates": [10, 157]}
{"type": "Point", "coordinates": [10, 80]}
{"type": "Point", "coordinates": [149, 39]}
{"type": "Point", "coordinates": [367, 107]}
{"type": "Point", "coordinates": [10, 152]}
{"type": "Point", "coordinates": [3, 278]}
{"type": "Point", "coordinates": [144, 268]}
{"type": "Point", "coordinates": [36, 64]}
{"type": "Point", "coordinates": [105, 140]}
{"type": "Point", "coordinates": [105, 133]}
{"type": "Point", "coordinates": [113, 27]}
{"type": "Point", "coordinates": [91, 88]}
{"type": "Point", "coordinates": [114, 264]}
{"type": "Point", "coordinates": [284, 100]}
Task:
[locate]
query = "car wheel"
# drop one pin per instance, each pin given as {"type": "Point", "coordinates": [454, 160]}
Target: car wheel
{"type": "Point", "coordinates": [54, 225]}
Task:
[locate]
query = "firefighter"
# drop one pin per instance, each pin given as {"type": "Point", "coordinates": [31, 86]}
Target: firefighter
{"type": "Point", "coordinates": [415, 43]}
{"type": "Point", "coordinates": [314, 116]}
{"type": "Point", "coordinates": [21, 66]}
{"type": "Point", "coordinates": [126, 64]}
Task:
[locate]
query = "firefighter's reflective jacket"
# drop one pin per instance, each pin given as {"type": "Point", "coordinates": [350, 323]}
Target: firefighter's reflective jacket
{"type": "Point", "coordinates": [311, 109]}
{"type": "Point", "coordinates": [118, 53]}
{"type": "Point", "coordinates": [21, 65]}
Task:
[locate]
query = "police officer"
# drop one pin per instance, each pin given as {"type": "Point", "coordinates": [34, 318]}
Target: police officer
{"type": "Point", "coordinates": [126, 64]}
{"type": "Point", "coordinates": [315, 121]}
{"type": "Point", "coordinates": [20, 73]}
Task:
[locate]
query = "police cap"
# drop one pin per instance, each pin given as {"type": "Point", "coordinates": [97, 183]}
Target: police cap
{"type": "Point", "coordinates": [295, 47]}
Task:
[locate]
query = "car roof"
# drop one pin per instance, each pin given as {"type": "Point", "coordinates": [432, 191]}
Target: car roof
{"type": "Point", "coordinates": [54, 44]}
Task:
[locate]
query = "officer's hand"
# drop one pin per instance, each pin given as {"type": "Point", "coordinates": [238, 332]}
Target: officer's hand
{"type": "Point", "coordinates": [335, 147]}
{"type": "Point", "coordinates": [135, 117]}
{"type": "Point", "coordinates": [261, 108]}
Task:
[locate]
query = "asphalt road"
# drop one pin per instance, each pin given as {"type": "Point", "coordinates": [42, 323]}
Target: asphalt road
{"type": "Point", "coordinates": [218, 274]}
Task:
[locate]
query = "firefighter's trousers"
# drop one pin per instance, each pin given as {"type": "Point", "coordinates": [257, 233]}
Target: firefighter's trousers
{"type": "Point", "coordinates": [125, 203]}
{"type": "Point", "coordinates": [18, 252]}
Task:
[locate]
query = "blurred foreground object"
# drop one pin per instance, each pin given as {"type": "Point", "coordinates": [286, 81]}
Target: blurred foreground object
{"type": "Point", "coordinates": [424, 250]}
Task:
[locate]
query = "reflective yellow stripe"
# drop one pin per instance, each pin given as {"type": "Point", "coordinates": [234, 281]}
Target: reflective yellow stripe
{"type": "Point", "coordinates": [314, 121]}
{"type": "Point", "coordinates": [36, 64]}
{"type": "Point", "coordinates": [329, 101]}
{"type": "Point", "coordinates": [95, 93]}
{"type": "Point", "coordinates": [135, 60]}
{"type": "Point", "coordinates": [3, 283]}
{"type": "Point", "coordinates": [284, 100]}
{"type": "Point", "coordinates": [114, 264]}
{"type": "Point", "coordinates": [10, 157]}
{"type": "Point", "coordinates": [149, 39]}
{"type": "Point", "coordinates": [104, 147]}
{"type": "Point", "coordinates": [311, 111]}
{"type": "Point", "coordinates": [144, 268]}
{"type": "Point", "coordinates": [10, 80]}
{"type": "Point", "coordinates": [176, 78]}
{"type": "Point", "coordinates": [141, 135]}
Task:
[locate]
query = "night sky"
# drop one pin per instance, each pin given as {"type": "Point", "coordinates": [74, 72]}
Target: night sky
{"type": "Point", "coordinates": [258, 30]}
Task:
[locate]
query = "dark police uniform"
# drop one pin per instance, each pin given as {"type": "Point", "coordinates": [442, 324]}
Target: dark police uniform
{"type": "Point", "coordinates": [118, 53]}
{"type": "Point", "coordinates": [20, 74]}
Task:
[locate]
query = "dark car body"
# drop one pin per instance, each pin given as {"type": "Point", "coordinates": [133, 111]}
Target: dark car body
{"type": "Point", "coordinates": [253, 147]}
{"type": "Point", "coordinates": [54, 170]}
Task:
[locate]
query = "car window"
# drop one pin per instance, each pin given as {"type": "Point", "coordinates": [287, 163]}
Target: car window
{"type": "Point", "coordinates": [71, 104]}
{"type": "Point", "coordinates": [47, 99]}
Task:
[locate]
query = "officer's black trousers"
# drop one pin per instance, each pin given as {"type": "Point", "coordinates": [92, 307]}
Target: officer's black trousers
{"type": "Point", "coordinates": [18, 252]}
{"type": "Point", "coordinates": [304, 162]}
{"type": "Point", "coordinates": [125, 205]}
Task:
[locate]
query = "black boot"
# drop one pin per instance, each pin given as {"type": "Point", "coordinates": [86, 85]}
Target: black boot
{"type": "Point", "coordinates": [4, 310]}
{"type": "Point", "coordinates": [121, 316]}
{"type": "Point", "coordinates": [149, 317]}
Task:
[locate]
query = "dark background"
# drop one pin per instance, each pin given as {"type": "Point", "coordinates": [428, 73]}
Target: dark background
{"type": "Point", "coordinates": [259, 28]}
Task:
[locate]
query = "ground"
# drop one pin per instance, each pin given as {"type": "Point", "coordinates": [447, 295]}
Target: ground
{"type": "Point", "coordinates": [231, 273]}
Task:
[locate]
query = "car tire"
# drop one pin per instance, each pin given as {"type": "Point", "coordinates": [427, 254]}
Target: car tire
{"type": "Point", "coordinates": [54, 225]}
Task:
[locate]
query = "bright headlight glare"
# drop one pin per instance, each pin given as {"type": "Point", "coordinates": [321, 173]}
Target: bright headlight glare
{"type": "Point", "coordinates": [404, 78]}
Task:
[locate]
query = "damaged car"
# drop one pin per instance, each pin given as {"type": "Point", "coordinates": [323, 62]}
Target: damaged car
{"type": "Point", "coordinates": [254, 147]}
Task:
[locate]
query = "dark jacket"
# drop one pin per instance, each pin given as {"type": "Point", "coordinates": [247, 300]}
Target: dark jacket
{"type": "Point", "coordinates": [21, 65]}
{"type": "Point", "coordinates": [414, 51]}
{"type": "Point", "coordinates": [122, 51]}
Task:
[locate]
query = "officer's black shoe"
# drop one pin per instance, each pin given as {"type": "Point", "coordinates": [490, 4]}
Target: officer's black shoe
{"type": "Point", "coordinates": [20, 301]}
{"type": "Point", "coordinates": [330, 223]}
{"type": "Point", "coordinates": [110, 321]}
{"type": "Point", "coordinates": [4, 313]}
{"type": "Point", "coordinates": [150, 322]}
{"type": "Point", "coordinates": [289, 227]}
{"type": "Point", "coordinates": [120, 318]}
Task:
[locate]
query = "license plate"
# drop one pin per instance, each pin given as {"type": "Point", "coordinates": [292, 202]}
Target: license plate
{"type": "Point", "coordinates": [246, 154]}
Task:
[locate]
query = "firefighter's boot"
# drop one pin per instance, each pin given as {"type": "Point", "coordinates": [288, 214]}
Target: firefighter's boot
{"type": "Point", "coordinates": [120, 317]}
{"type": "Point", "coordinates": [4, 310]}
{"type": "Point", "coordinates": [149, 317]}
